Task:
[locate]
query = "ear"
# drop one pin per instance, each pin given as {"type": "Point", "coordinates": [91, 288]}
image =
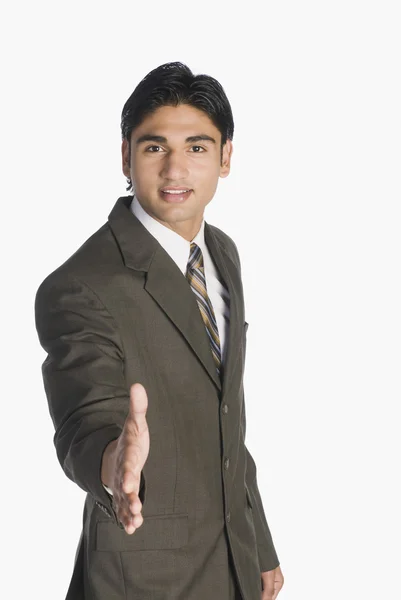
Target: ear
{"type": "Point", "coordinates": [125, 155]}
{"type": "Point", "coordinates": [226, 159]}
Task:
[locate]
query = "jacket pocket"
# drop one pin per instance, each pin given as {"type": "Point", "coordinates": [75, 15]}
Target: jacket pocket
{"type": "Point", "coordinates": [248, 497]}
{"type": "Point", "coordinates": [161, 532]}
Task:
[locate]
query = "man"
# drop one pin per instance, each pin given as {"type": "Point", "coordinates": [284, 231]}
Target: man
{"type": "Point", "coordinates": [145, 334]}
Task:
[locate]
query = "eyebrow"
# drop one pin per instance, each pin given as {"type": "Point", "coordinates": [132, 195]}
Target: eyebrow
{"type": "Point", "coordinates": [148, 137]}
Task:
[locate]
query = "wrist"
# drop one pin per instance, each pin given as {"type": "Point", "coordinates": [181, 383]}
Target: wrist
{"type": "Point", "coordinates": [108, 463]}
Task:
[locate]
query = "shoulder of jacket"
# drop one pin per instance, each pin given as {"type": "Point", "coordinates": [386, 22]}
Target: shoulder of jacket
{"type": "Point", "coordinates": [99, 249]}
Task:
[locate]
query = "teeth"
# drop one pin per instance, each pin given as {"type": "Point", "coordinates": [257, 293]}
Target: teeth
{"type": "Point", "coordinates": [175, 191]}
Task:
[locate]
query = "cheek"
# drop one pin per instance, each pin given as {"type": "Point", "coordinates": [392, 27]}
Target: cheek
{"type": "Point", "coordinates": [144, 172]}
{"type": "Point", "coordinates": [207, 170]}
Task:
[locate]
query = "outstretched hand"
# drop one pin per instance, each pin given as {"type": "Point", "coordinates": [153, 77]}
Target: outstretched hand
{"type": "Point", "coordinates": [125, 461]}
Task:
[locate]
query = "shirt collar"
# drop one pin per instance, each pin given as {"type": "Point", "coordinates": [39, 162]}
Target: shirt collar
{"type": "Point", "coordinates": [172, 242]}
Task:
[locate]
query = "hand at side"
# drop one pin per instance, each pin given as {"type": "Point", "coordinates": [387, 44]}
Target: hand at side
{"type": "Point", "coordinates": [272, 582]}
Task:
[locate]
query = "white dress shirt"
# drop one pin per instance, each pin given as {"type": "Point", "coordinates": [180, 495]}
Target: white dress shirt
{"type": "Point", "coordinates": [179, 250]}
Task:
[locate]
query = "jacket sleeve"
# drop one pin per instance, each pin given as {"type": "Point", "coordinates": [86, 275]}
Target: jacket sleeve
{"type": "Point", "coordinates": [268, 559]}
{"type": "Point", "coordinates": [267, 555]}
{"type": "Point", "coordinates": [83, 376]}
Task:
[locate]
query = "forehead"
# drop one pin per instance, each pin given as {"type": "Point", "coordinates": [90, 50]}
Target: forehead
{"type": "Point", "coordinates": [177, 121]}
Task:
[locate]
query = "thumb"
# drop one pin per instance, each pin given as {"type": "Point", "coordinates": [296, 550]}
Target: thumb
{"type": "Point", "coordinates": [138, 406]}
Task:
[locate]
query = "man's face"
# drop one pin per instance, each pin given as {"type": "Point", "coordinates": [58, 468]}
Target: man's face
{"type": "Point", "coordinates": [176, 147]}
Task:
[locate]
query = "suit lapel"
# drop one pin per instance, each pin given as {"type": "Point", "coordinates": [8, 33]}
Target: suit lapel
{"type": "Point", "coordinates": [231, 277]}
{"type": "Point", "coordinates": [169, 288]}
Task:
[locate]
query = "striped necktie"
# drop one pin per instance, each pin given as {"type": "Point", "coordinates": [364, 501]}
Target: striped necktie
{"type": "Point", "coordinates": [196, 277]}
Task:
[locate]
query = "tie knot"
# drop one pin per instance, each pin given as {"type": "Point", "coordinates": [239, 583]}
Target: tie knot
{"type": "Point", "coordinates": [195, 257]}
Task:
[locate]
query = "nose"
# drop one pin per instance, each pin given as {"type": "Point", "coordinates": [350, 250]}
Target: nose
{"type": "Point", "coordinates": [174, 167]}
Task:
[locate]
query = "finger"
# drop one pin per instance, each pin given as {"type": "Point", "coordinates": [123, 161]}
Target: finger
{"type": "Point", "coordinates": [268, 586]}
{"type": "Point", "coordinates": [130, 521]}
{"type": "Point", "coordinates": [134, 503]}
{"type": "Point", "coordinates": [124, 517]}
{"type": "Point", "coordinates": [131, 478]}
{"type": "Point", "coordinates": [138, 406]}
{"type": "Point", "coordinates": [128, 525]}
{"type": "Point", "coordinates": [278, 584]}
{"type": "Point", "coordinates": [137, 520]}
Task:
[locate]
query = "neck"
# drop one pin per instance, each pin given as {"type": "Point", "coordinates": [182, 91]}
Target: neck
{"type": "Point", "coordinates": [186, 229]}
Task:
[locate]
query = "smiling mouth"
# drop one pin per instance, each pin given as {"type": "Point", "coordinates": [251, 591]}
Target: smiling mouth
{"type": "Point", "coordinates": [175, 194]}
{"type": "Point", "coordinates": [173, 190]}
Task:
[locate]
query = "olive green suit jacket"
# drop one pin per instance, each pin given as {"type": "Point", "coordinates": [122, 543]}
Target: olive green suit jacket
{"type": "Point", "coordinates": [120, 311]}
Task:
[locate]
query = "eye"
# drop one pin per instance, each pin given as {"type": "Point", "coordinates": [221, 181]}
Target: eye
{"type": "Point", "coordinates": [200, 148]}
{"type": "Point", "coordinates": [148, 149]}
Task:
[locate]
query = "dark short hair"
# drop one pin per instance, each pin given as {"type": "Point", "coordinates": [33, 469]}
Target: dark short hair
{"type": "Point", "coordinates": [172, 84]}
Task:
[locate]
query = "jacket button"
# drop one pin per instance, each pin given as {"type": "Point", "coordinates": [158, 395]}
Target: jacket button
{"type": "Point", "coordinates": [226, 463]}
{"type": "Point", "coordinates": [225, 409]}
{"type": "Point", "coordinates": [228, 517]}
{"type": "Point", "coordinates": [103, 508]}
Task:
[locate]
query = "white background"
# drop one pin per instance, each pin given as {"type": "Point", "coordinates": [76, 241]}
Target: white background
{"type": "Point", "coordinates": [313, 203]}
